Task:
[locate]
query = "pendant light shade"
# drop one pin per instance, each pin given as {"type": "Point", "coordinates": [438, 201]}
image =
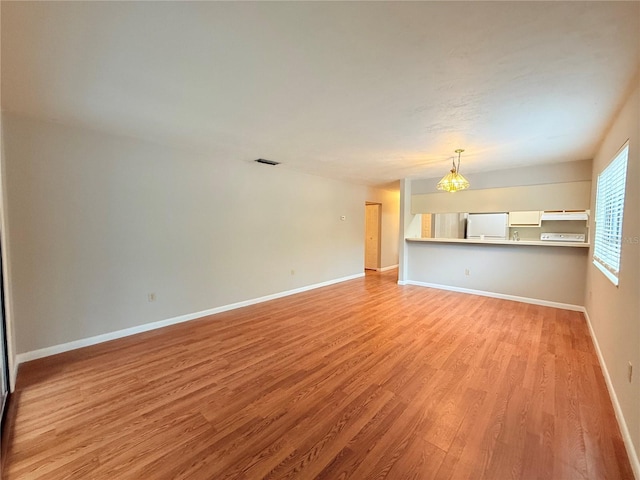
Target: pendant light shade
{"type": "Point", "coordinates": [453, 181]}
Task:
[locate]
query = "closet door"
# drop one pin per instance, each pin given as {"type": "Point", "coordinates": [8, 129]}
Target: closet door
{"type": "Point", "coordinates": [4, 381]}
{"type": "Point", "coordinates": [4, 370]}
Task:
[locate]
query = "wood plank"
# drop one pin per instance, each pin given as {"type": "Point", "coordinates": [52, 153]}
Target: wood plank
{"type": "Point", "coordinates": [364, 379]}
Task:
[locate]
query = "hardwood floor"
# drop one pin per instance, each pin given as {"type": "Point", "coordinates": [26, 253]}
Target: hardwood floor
{"type": "Point", "coordinates": [362, 380]}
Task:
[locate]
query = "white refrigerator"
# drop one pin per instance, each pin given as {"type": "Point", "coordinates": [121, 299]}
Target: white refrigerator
{"type": "Point", "coordinates": [488, 226]}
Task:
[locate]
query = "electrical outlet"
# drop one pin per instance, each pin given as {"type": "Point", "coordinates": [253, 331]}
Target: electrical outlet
{"type": "Point", "coordinates": [630, 371]}
{"type": "Point", "coordinates": [151, 297]}
{"type": "Point", "coordinates": [467, 272]}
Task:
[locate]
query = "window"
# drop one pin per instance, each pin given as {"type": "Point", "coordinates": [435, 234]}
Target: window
{"type": "Point", "coordinates": [609, 213]}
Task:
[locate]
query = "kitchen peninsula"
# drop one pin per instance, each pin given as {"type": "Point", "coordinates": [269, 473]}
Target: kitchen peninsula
{"type": "Point", "coordinates": [534, 269]}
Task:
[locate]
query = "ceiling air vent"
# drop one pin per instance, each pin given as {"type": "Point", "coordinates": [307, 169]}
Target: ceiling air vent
{"type": "Point", "coordinates": [267, 162]}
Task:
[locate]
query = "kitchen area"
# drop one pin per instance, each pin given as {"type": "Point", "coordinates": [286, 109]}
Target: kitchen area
{"type": "Point", "coordinates": [528, 242]}
{"type": "Point", "coordinates": [567, 227]}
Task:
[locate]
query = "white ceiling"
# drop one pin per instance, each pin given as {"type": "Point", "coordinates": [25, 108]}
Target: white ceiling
{"type": "Point", "coordinates": [365, 92]}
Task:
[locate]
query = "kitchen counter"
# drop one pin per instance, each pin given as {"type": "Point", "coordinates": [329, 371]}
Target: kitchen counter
{"type": "Point", "coordinates": [551, 272]}
{"type": "Point", "coordinates": [537, 243]}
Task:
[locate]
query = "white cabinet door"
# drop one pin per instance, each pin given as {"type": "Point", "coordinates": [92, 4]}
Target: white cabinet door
{"type": "Point", "coordinates": [524, 219]}
{"type": "Point", "coordinates": [488, 225]}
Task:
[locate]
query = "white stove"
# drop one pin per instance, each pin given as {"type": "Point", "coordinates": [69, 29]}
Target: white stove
{"type": "Point", "coordinates": [562, 237]}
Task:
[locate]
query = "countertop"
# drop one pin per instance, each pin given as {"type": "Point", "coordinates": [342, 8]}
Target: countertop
{"type": "Point", "coordinates": [537, 243]}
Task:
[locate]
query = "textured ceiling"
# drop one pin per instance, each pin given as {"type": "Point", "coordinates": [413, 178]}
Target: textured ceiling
{"type": "Point", "coordinates": [365, 92]}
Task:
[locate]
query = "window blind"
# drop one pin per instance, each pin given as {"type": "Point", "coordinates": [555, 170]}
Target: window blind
{"type": "Point", "coordinates": [609, 213]}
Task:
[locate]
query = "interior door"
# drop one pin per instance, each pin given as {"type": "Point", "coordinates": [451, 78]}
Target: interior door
{"type": "Point", "coordinates": [372, 236]}
{"type": "Point", "coordinates": [4, 370]}
{"type": "Point", "coordinates": [4, 381]}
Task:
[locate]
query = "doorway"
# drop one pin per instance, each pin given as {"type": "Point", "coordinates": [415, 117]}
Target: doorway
{"type": "Point", "coordinates": [372, 236]}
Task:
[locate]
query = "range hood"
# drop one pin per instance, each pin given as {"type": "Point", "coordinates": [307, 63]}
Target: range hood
{"type": "Point", "coordinates": [565, 215]}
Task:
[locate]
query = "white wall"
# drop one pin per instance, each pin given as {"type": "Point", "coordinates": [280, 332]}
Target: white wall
{"type": "Point", "coordinates": [614, 312]}
{"type": "Point", "coordinates": [552, 196]}
{"type": "Point", "coordinates": [544, 187]}
{"type": "Point", "coordinates": [410, 226]}
{"type": "Point", "coordinates": [8, 312]}
{"type": "Point", "coordinates": [97, 222]}
{"type": "Point", "coordinates": [548, 274]}
{"type": "Point", "coordinates": [571, 171]}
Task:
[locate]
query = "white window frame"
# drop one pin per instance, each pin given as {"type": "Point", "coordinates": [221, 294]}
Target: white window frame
{"type": "Point", "coordinates": [610, 194]}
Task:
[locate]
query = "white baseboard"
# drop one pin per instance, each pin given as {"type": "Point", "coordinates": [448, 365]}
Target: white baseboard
{"type": "Point", "coordinates": [105, 337]}
{"type": "Point", "coordinates": [482, 293]}
{"type": "Point", "coordinates": [385, 269]}
{"type": "Point", "coordinates": [624, 430]}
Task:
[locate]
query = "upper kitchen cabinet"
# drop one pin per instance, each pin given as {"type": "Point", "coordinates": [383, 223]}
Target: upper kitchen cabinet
{"type": "Point", "coordinates": [564, 215]}
{"type": "Point", "coordinates": [529, 218]}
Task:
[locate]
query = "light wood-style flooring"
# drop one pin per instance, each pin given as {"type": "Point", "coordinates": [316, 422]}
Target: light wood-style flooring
{"type": "Point", "coordinates": [362, 380]}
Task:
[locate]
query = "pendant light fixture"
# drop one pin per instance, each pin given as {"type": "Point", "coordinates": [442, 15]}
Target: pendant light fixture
{"type": "Point", "coordinates": [453, 181]}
